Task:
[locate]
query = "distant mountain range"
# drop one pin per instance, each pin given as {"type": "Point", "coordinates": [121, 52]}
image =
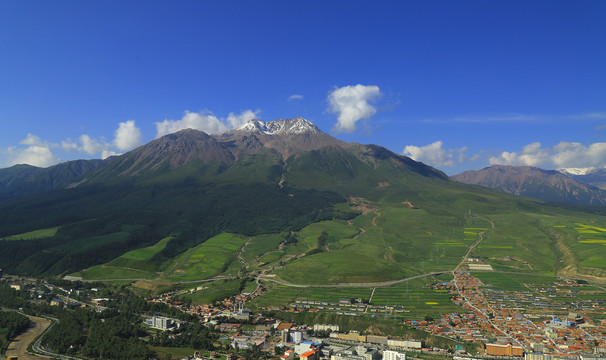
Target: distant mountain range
{"type": "Point", "coordinates": [591, 176]}
{"type": "Point", "coordinates": [549, 185]}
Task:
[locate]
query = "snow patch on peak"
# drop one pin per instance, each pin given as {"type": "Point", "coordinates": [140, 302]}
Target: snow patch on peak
{"type": "Point", "coordinates": [255, 126]}
{"type": "Point", "coordinates": [297, 125]}
{"type": "Point", "coordinates": [576, 171]}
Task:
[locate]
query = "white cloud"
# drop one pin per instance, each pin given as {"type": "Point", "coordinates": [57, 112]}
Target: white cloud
{"type": "Point", "coordinates": [563, 155]}
{"type": "Point", "coordinates": [37, 153]}
{"type": "Point", "coordinates": [516, 118]}
{"type": "Point", "coordinates": [107, 153]}
{"type": "Point", "coordinates": [127, 136]}
{"type": "Point", "coordinates": [485, 119]}
{"type": "Point", "coordinates": [352, 103]}
{"type": "Point", "coordinates": [593, 115]}
{"type": "Point", "coordinates": [433, 154]}
{"type": "Point", "coordinates": [295, 97]}
{"type": "Point", "coordinates": [69, 145]}
{"type": "Point", "coordinates": [204, 121]}
{"type": "Point", "coordinates": [531, 155]}
{"type": "Point", "coordinates": [86, 144]}
{"type": "Point", "coordinates": [568, 154]}
{"type": "Point", "coordinates": [237, 120]}
{"type": "Point", "coordinates": [90, 146]}
{"type": "Point", "coordinates": [31, 139]}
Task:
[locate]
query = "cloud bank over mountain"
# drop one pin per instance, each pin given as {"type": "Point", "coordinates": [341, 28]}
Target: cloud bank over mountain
{"type": "Point", "coordinates": [204, 121]}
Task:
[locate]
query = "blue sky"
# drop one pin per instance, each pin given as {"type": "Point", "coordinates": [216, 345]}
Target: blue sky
{"type": "Point", "coordinates": [456, 84]}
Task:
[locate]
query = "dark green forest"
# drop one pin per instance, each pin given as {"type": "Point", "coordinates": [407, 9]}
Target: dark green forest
{"type": "Point", "coordinates": [11, 325]}
{"type": "Point", "coordinates": [99, 224]}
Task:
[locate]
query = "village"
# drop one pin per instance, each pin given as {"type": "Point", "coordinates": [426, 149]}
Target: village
{"type": "Point", "coordinates": [508, 323]}
{"type": "Point", "coordinates": [522, 323]}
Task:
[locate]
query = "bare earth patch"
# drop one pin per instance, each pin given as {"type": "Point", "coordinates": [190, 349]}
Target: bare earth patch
{"type": "Point", "coordinates": [362, 205]}
{"type": "Point", "coordinates": [18, 347]}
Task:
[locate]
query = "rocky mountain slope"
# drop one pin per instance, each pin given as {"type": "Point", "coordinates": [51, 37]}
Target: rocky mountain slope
{"type": "Point", "coordinates": [549, 185]}
{"type": "Point", "coordinates": [591, 176]}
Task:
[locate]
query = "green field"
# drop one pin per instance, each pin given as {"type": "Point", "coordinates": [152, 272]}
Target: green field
{"type": "Point", "coordinates": [214, 291]}
{"type": "Point", "coordinates": [513, 282]}
{"type": "Point", "coordinates": [280, 295]}
{"type": "Point", "coordinates": [132, 265]}
{"type": "Point", "coordinates": [33, 235]}
{"type": "Point", "coordinates": [592, 245]}
{"type": "Point", "coordinates": [213, 257]}
{"type": "Point", "coordinates": [416, 298]}
{"type": "Point", "coordinates": [387, 249]}
{"type": "Point", "coordinates": [148, 252]}
{"type": "Point", "coordinates": [260, 245]}
{"type": "Point", "coordinates": [108, 272]}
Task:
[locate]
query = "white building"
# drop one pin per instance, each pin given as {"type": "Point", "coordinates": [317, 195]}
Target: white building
{"type": "Point", "coordinates": [162, 323]}
{"type": "Point", "coordinates": [411, 344]}
{"type": "Point", "coordinates": [296, 337]}
{"type": "Point", "coordinates": [393, 355]}
{"type": "Point", "coordinates": [324, 327]}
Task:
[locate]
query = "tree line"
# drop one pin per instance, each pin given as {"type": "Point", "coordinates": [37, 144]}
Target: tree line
{"type": "Point", "coordinates": [13, 324]}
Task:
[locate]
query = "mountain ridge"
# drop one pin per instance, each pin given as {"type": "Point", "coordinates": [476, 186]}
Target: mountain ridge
{"type": "Point", "coordinates": [25, 179]}
{"type": "Point", "coordinates": [549, 185]}
{"type": "Point", "coordinates": [592, 176]}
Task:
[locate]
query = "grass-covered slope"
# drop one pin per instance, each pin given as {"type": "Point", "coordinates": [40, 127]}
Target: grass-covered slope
{"type": "Point", "coordinates": [20, 180]}
{"type": "Point", "coordinates": [98, 224]}
{"type": "Point", "coordinates": [354, 213]}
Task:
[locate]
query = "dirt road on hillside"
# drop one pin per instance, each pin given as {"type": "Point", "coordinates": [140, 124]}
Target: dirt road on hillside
{"type": "Point", "coordinates": [18, 347]}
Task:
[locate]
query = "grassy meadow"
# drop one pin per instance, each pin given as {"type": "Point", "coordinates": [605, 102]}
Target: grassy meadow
{"type": "Point", "coordinates": [413, 301]}
{"type": "Point", "coordinates": [212, 257]}
{"type": "Point", "coordinates": [134, 264]}
{"type": "Point", "coordinates": [34, 235]}
{"type": "Point", "coordinates": [213, 291]}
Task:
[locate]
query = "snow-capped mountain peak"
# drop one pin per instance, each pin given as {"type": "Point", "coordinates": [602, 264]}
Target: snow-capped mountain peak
{"type": "Point", "coordinates": [576, 171]}
{"type": "Point", "coordinates": [255, 126]}
{"type": "Point", "coordinates": [297, 125]}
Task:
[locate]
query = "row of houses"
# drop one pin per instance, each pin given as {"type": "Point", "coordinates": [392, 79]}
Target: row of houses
{"type": "Point", "coordinates": [377, 339]}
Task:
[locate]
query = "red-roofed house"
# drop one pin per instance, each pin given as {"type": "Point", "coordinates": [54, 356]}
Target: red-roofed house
{"type": "Point", "coordinates": [310, 355]}
{"type": "Point", "coordinates": [284, 326]}
{"type": "Point", "coordinates": [288, 355]}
